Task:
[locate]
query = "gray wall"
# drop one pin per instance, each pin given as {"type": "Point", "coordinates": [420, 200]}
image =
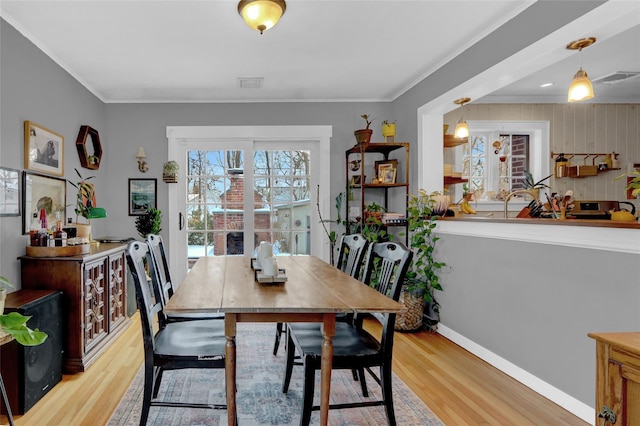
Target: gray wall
{"type": "Point", "coordinates": [35, 88]}
{"type": "Point", "coordinates": [133, 125]}
{"type": "Point", "coordinates": [534, 304]}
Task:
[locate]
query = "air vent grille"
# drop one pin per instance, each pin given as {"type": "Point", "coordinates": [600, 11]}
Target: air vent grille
{"type": "Point", "coordinates": [250, 82]}
{"type": "Point", "coordinates": [617, 77]}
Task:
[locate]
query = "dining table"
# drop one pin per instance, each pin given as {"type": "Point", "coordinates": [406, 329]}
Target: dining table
{"type": "Point", "coordinates": [308, 290]}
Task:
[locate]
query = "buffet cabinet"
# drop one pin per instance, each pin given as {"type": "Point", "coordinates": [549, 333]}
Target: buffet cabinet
{"type": "Point", "coordinates": [95, 298]}
{"type": "Point", "coordinates": [617, 378]}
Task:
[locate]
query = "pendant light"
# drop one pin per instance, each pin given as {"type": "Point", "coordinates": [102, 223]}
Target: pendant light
{"type": "Point", "coordinates": [261, 14]}
{"type": "Point", "coordinates": [581, 88]}
{"type": "Point", "coordinates": [462, 128]}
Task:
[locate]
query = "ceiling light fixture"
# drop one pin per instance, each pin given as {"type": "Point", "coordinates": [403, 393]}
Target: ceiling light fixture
{"type": "Point", "coordinates": [581, 88]}
{"type": "Point", "coordinates": [462, 128]}
{"type": "Point", "coordinates": [261, 15]}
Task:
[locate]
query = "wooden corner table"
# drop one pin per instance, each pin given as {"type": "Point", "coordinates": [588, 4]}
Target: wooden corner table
{"type": "Point", "coordinates": [314, 291]}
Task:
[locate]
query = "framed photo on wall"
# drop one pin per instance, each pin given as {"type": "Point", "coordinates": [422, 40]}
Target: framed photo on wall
{"type": "Point", "coordinates": [43, 149]}
{"type": "Point", "coordinates": [143, 194]}
{"type": "Point", "coordinates": [9, 192]}
{"type": "Point", "coordinates": [42, 192]}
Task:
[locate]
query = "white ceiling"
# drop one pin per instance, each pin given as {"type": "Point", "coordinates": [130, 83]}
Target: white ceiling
{"type": "Point", "coordinates": [322, 50]}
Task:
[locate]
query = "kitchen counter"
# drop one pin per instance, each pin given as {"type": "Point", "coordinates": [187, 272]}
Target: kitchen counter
{"type": "Point", "coordinates": [596, 223]}
{"type": "Point", "coordinates": [522, 294]}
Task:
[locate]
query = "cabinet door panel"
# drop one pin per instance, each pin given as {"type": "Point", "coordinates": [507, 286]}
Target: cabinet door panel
{"type": "Point", "coordinates": [95, 318]}
{"type": "Point", "coordinates": [117, 293]}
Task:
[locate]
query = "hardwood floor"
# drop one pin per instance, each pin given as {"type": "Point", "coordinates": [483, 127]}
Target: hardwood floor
{"type": "Point", "coordinates": [457, 386]}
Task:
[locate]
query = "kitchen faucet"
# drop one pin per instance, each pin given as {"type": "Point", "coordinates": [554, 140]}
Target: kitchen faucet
{"type": "Point", "coordinates": [531, 192]}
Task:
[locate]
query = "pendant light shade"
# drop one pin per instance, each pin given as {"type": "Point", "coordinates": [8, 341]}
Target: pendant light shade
{"type": "Point", "coordinates": [462, 128]}
{"type": "Point", "coordinates": [580, 88]}
{"type": "Point", "coordinates": [261, 15]}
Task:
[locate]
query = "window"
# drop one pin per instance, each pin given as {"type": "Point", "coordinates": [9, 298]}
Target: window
{"type": "Point", "coordinates": [497, 155]}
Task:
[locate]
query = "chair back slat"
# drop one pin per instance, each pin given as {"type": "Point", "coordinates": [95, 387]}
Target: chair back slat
{"type": "Point", "coordinates": [386, 265]}
{"type": "Point", "coordinates": [160, 266]}
{"type": "Point", "coordinates": [352, 251]}
{"type": "Point", "coordinates": [149, 307]}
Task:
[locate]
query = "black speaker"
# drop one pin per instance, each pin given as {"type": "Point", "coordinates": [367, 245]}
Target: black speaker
{"type": "Point", "coordinates": [29, 372]}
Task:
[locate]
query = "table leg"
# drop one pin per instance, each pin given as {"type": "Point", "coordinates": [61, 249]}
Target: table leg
{"type": "Point", "coordinates": [328, 331]}
{"type": "Point", "coordinates": [230, 366]}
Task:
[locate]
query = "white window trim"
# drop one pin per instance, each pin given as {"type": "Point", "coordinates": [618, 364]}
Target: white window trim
{"type": "Point", "coordinates": [178, 135]}
{"type": "Point", "coordinates": [539, 157]}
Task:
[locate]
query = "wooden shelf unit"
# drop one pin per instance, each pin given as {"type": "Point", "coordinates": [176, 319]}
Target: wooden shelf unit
{"type": "Point", "coordinates": [382, 152]}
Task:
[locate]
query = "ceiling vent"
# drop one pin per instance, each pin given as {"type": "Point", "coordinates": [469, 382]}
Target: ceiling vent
{"type": "Point", "coordinates": [617, 77]}
{"type": "Point", "coordinates": [250, 82]}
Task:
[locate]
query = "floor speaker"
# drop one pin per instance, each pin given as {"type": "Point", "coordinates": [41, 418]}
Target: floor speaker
{"type": "Point", "coordinates": [29, 372]}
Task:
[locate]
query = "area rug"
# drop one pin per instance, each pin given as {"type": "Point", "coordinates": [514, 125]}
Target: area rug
{"type": "Point", "coordinates": [260, 400]}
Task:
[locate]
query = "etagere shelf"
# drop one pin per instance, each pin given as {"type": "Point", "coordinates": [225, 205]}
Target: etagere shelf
{"type": "Point", "coordinates": [359, 182]}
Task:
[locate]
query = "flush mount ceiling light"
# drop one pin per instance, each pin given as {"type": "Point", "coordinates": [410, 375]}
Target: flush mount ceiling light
{"type": "Point", "coordinates": [261, 15]}
{"type": "Point", "coordinates": [462, 128]}
{"type": "Point", "coordinates": [581, 88]}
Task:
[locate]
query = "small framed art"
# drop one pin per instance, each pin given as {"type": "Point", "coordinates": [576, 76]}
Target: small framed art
{"type": "Point", "coordinates": [43, 149]}
{"type": "Point", "coordinates": [9, 192]}
{"type": "Point", "coordinates": [42, 192]}
{"type": "Point", "coordinates": [382, 168]}
{"type": "Point", "coordinates": [142, 196]}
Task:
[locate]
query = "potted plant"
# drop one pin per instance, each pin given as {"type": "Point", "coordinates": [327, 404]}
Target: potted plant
{"type": "Point", "coordinates": [421, 281]}
{"type": "Point", "coordinates": [149, 223]}
{"type": "Point", "coordinates": [170, 171]}
{"type": "Point", "coordinates": [14, 323]}
{"type": "Point", "coordinates": [84, 200]}
{"type": "Point", "coordinates": [363, 136]}
{"type": "Point", "coordinates": [332, 235]}
{"type": "Point", "coordinates": [532, 185]}
{"type": "Point", "coordinates": [388, 129]}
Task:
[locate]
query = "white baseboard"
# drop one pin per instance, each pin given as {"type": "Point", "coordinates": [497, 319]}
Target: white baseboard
{"type": "Point", "coordinates": [550, 392]}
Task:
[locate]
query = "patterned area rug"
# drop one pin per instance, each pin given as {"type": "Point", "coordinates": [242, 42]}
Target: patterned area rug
{"type": "Point", "coordinates": [260, 399]}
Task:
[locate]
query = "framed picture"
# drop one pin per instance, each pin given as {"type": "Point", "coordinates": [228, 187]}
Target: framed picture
{"type": "Point", "coordinates": [382, 167]}
{"type": "Point", "coordinates": [10, 192]}
{"type": "Point", "coordinates": [43, 149]}
{"type": "Point", "coordinates": [388, 176]}
{"type": "Point", "coordinates": [356, 180]}
{"type": "Point", "coordinates": [142, 196]}
{"type": "Point", "coordinates": [42, 192]}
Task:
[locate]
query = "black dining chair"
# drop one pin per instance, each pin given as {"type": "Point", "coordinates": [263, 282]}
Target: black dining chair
{"type": "Point", "coordinates": [174, 346]}
{"type": "Point", "coordinates": [161, 274]}
{"type": "Point", "coordinates": [353, 247]}
{"type": "Point", "coordinates": [354, 348]}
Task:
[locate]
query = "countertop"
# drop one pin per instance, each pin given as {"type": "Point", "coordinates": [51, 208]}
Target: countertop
{"type": "Point", "coordinates": [594, 223]}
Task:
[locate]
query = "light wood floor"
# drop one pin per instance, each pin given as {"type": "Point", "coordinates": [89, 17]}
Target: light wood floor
{"type": "Point", "coordinates": [457, 386]}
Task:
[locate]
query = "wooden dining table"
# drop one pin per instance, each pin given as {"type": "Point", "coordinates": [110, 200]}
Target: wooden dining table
{"type": "Point", "coordinates": [314, 291]}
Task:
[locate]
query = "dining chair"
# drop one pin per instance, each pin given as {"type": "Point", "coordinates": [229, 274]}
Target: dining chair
{"type": "Point", "coordinates": [177, 345]}
{"type": "Point", "coordinates": [353, 347]}
{"type": "Point", "coordinates": [352, 250]}
{"type": "Point", "coordinates": [160, 273]}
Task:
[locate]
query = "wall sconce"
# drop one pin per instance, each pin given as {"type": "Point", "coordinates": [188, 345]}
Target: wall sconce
{"type": "Point", "coordinates": [462, 128]}
{"type": "Point", "coordinates": [140, 156]}
{"type": "Point", "coordinates": [261, 15]}
{"type": "Point", "coordinates": [581, 88]}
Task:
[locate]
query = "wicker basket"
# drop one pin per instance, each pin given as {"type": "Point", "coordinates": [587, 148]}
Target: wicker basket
{"type": "Point", "coordinates": [410, 320]}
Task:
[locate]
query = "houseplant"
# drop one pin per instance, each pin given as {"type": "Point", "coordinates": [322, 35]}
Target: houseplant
{"type": "Point", "coordinates": [170, 171]}
{"type": "Point", "coordinates": [14, 323]}
{"type": "Point", "coordinates": [84, 203]}
{"type": "Point", "coordinates": [149, 223]}
{"type": "Point", "coordinates": [388, 129]}
{"type": "Point", "coordinates": [363, 136]}
{"type": "Point", "coordinates": [421, 281]}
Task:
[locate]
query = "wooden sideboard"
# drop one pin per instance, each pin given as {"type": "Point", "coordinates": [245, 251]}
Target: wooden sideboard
{"type": "Point", "coordinates": [95, 297]}
{"type": "Point", "coordinates": [617, 378]}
